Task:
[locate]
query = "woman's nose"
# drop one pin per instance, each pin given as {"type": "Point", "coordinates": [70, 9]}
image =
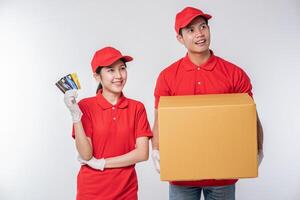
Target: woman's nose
{"type": "Point", "coordinates": [118, 74]}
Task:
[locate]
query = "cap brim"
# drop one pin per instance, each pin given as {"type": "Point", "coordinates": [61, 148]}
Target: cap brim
{"type": "Point", "coordinates": [124, 58]}
{"type": "Point", "coordinates": [127, 58]}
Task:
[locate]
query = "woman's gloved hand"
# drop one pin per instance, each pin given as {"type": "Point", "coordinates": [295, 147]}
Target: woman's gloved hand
{"type": "Point", "coordinates": [94, 163]}
{"type": "Point", "coordinates": [70, 101]}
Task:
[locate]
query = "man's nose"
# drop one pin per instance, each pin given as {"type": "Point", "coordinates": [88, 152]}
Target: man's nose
{"type": "Point", "coordinates": [198, 32]}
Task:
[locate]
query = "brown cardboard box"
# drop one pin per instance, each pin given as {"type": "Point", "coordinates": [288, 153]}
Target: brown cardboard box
{"type": "Point", "coordinates": [207, 137]}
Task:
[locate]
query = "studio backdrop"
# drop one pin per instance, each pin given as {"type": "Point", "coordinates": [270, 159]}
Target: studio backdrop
{"type": "Point", "coordinates": [41, 41]}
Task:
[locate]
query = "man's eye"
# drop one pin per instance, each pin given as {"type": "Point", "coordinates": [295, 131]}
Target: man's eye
{"type": "Point", "coordinates": [204, 26]}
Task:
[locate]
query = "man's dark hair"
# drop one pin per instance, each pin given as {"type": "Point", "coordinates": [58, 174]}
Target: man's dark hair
{"type": "Point", "coordinates": [206, 21]}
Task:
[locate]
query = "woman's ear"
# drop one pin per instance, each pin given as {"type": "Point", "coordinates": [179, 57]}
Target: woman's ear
{"type": "Point", "coordinates": [97, 77]}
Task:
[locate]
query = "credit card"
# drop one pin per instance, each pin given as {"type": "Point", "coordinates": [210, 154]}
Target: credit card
{"type": "Point", "coordinates": [60, 87]}
{"type": "Point", "coordinates": [76, 80]}
{"type": "Point", "coordinates": [65, 85]}
{"type": "Point", "coordinates": [70, 81]}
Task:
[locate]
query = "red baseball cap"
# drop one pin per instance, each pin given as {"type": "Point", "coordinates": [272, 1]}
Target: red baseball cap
{"type": "Point", "coordinates": [107, 56]}
{"type": "Point", "coordinates": [184, 17]}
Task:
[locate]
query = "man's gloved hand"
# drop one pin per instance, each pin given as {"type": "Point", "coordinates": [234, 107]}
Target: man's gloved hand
{"type": "Point", "coordinates": [70, 101]}
{"type": "Point", "coordinates": [94, 163]}
{"type": "Point", "coordinates": [260, 156]}
{"type": "Point", "coordinates": [156, 160]}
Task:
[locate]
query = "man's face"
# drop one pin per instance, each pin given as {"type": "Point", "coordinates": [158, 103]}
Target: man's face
{"type": "Point", "coordinates": [195, 36]}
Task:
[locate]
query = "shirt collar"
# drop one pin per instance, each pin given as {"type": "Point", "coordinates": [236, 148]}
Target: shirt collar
{"type": "Point", "coordinates": [208, 65]}
{"type": "Point", "coordinates": [104, 104]}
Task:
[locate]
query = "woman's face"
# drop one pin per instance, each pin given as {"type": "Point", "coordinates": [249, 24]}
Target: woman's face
{"type": "Point", "coordinates": [113, 78]}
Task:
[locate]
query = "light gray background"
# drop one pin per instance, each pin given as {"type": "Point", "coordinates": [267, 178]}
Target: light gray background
{"type": "Point", "coordinates": [40, 41]}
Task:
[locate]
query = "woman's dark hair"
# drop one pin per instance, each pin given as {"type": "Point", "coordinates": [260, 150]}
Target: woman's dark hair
{"type": "Point", "coordinates": [98, 70]}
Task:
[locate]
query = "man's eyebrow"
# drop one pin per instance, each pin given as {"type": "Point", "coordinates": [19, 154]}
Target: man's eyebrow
{"type": "Point", "coordinates": [193, 25]}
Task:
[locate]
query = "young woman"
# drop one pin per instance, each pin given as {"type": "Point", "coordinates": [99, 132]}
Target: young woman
{"type": "Point", "coordinates": [111, 132]}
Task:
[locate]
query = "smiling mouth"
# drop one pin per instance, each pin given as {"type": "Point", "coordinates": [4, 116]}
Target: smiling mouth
{"type": "Point", "coordinates": [118, 82]}
{"type": "Point", "coordinates": [200, 42]}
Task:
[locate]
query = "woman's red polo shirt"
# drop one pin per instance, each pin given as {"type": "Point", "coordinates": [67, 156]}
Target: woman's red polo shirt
{"type": "Point", "coordinates": [113, 130]}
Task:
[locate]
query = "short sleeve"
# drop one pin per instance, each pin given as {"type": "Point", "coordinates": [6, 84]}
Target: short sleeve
{"type": "Point", "coordinates": [242, 83]}
{"type": "Point", "coordinates": [142, 127]}
{"type": "Point", "coordinates": [85, 120]}
{"type": "Point", "coordinates": [161, 88]}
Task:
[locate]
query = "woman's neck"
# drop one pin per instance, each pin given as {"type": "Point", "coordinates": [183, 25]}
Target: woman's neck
{"type": "Point", "coordinates": [111, 97]}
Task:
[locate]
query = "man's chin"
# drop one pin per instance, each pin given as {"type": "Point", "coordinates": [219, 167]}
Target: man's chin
{"type": "Point", "coordinates": [201, 50]}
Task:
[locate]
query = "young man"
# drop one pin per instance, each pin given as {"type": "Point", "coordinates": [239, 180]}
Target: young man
{"type": "Point", "coordinates": [199, 72]}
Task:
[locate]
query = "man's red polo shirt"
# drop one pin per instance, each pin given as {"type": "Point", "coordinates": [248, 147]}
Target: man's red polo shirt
{"type": "Point", "coordinates": [216, 76]}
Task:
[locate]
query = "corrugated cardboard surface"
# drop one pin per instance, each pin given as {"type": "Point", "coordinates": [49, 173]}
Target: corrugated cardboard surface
{"type": "Point", "coordinates": [207, 137]}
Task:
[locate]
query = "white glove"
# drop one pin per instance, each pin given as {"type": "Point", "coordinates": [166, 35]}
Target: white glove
{"type": "Point", "coordinates": [156, 160]}
{"type": "Point", "coordinates": [70, 101]}
{"type": "Point", "coordinates": [94, 163]}
{"type": "Point", "coordinates": [81, 161]}
{"type": "Point", "coordinates": [260, 157]}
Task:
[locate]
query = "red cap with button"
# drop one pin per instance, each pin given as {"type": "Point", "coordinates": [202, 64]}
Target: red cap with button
{"type": "Point", "coordinates": [184, 17]}
{"type": "Point", "coordinates": [106, 57]}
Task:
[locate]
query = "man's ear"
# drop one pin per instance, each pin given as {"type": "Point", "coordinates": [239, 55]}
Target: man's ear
{"type": "Point", "coordinates": [180, 38]}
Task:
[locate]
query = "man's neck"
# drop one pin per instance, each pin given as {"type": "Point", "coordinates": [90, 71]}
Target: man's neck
{"type": "Point", "coordinates": [199, 58]}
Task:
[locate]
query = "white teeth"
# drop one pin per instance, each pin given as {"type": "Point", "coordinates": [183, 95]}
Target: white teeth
{"type": "Point", "coordinates": [118, 82]}
{"type": "Point", "coordinates": [200, 41]}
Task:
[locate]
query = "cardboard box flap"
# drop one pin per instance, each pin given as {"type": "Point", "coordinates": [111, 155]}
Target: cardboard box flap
{"type": "Point", "coordinates": [205, 100]}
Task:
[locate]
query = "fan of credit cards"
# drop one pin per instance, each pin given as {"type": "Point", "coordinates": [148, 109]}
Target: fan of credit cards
{"type": "Point", "coordinates": [68, 82]}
